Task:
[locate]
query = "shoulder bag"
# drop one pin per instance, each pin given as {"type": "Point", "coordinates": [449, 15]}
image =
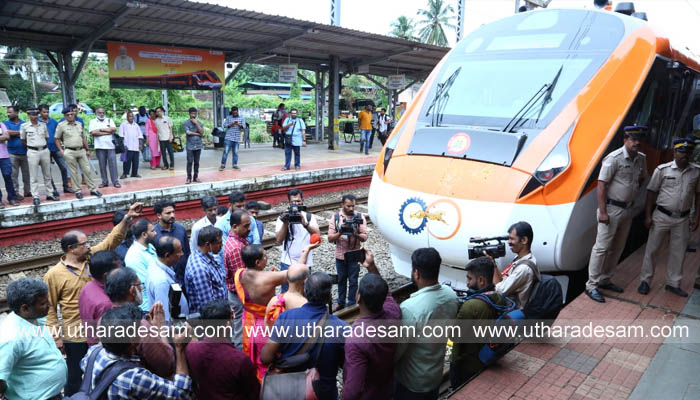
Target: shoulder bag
{"type": "Point", "coordinates": [284, 380]}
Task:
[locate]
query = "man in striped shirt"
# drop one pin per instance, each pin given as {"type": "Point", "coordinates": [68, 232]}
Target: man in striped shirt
{"type": "Point", "coordinates": [205, 278]}
{"type": "Point", "coordinates": [234, 125]}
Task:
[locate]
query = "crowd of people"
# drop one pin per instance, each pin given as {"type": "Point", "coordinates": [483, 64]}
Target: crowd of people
{"type": "Point", "coordinates": [149, 274]}
{"type": "Point", "coordinates": [29, 151]}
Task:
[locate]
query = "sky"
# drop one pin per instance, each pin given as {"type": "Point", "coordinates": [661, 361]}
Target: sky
{"type": "Point", "coordinates": [675, 17]}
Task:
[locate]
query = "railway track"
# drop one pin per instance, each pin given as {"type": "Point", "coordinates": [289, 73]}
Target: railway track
{"type": "Point", "coordinates": [31, 263]}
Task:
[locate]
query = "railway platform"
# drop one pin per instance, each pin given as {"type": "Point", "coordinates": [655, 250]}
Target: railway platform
{"type": "Point", "coordinates": [611, 367]}
{"type": "Point", "coordinates": [260, 177]}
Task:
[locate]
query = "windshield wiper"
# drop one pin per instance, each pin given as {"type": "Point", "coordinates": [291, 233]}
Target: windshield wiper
{"type": "Point", "coordinates": [548, 94]}
{"type": "Point", "coordinates": [441, 97]}
{"type": "Point", "coordinates": [544, 92]}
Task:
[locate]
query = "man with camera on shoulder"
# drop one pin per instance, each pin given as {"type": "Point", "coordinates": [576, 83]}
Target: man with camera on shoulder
{"type": "Point", "coordinates": [347, 230]}
{"type": "Point", "coordinates": [520, 277]}
{"type": "Point", "coordinates": [293, 230]}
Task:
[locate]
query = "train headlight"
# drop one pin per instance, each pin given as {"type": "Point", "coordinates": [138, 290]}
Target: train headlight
{"type": "Point", "coordinates": [553, 165]}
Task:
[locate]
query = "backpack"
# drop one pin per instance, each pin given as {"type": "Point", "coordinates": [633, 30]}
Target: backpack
{"type": "Point", "coordinates": [103, 382]}
{"type": "Point", "coordinates": [545, 300]}
{"type": "Point", "coordinates": [506, 315]}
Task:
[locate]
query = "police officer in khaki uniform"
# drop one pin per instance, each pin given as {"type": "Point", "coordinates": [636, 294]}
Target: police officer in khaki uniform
{"type": "Point", "coordinates": [672, 188]}
{"type": "Point", "coordinates": [34, 135]}
{"type": "Point", "coordinates": [75, 151]}
{"type": "Point", "coordinates": [621, 176]}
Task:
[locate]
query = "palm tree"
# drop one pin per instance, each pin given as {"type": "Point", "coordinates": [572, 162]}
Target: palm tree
{"type": "Point", "coordinates": [404, 28]}
{"type": "Point", "coordinates": [437, 16]}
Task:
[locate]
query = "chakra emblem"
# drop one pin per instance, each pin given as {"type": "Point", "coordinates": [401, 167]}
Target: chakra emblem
{"type": "Point", "coordinates": [442, 218]}
{"type": "Point", "coordinates": [408, 214]}
{"type": "Point", "coordinates": [459, 143]}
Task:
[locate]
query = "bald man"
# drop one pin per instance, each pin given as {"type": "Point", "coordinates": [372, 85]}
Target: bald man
{"type": "Point", "coordinates": [255, 288]}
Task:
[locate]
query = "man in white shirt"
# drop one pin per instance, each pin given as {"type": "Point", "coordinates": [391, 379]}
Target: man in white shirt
{"type": "Point", "coordinates": [133, 143]}
{"type": "Point", "coordinates": [102, 130]}
{"type": "Point", "coordinates": [164, 126]}
{"type": "Point", "coordinates": [123, 62]}
{"type": "Point", "coordinates": [209, 205]}
{"type": "Point", "coordinates": [521, 276]}
{"type": "Point", "coordinates": [294, 236]}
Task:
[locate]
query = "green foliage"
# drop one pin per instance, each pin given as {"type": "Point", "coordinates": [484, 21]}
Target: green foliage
{"type": "Point", "coordinates": [404, 28]}
{"type": "Point", "coordinates": [19, 91]}
{"type": "Point", "coordinates": [93, 88]}
{"type": "Point", "coordinates": [435, 18]}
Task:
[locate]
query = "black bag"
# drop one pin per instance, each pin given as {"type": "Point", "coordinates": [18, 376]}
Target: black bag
{"type": "Point", "coordinates": [545, 300]}
{"type": "Point", "coordinates": [293, 377]}
{"type": "Point", "coordinates": [103, 382]}
{"type": "Point", "coordinates": [118, 142]}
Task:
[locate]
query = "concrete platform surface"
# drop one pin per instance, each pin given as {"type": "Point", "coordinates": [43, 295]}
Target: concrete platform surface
{"type": "Point", "coordinates": [259, 160]}
{"type": "Point", "coordinates": [260, 170]}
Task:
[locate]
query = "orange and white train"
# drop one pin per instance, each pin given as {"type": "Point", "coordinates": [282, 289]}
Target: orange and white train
{"type": "Point", "coordinates": [513, 125]}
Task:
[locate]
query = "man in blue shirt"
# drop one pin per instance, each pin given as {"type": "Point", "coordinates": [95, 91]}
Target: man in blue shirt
{"type": "Point", "coordinates": [294, 136]}
{"type": "Point", "coordinates": [18, 153]}
{"type": "Point", "coordinates": [235, 126]}
{"type": "Point", "coordinates": [317, 291]}
{"type": "Point", "coordinates": [166, 226]}
{"type": "Point", "coordinates": [31, 366]}
{"type": "Point", "coordinates": [205, 277]}
{"type": "Point", "coordinates": [141, 254]}
{"type": "Point", "coordinates": [56, 155]}
{"type": "Point", "coordinates": [161, 277]}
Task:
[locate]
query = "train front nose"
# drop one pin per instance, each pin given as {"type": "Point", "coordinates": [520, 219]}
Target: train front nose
{"type": "Point", "coordinates": [411, 219]}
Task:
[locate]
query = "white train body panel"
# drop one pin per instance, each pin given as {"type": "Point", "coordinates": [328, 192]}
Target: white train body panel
{"type": "Point", "coordinates": [563, 234]}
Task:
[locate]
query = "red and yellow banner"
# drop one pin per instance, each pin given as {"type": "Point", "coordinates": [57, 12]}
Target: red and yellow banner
{"type": "Point", "coordinates": [161, 67]}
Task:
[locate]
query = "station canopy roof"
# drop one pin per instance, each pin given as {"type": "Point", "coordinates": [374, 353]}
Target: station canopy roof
{"type": "Point", "coordinates": [244, 36]}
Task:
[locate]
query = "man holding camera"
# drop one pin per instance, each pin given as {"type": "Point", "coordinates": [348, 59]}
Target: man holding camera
{"type": "Point", "coordinates": [348, 230]}
{"type": "Point", "coordinates": [520, 277]}
{"type": "Point", "coordinates": [293, 230]}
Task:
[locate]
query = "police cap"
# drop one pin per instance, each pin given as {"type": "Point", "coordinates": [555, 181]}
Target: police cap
{"type": "Point", "coordinates": [32, 111]}
{"type": "Point", "coordinates": [684, 145]}
{"type": "Point", "coordinates": [66, 110]}
{"type": "Point", "coordinates": [636, 131]}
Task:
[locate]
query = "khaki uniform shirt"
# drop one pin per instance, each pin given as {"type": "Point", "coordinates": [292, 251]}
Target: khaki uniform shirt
{"type": "Point", "coordinates": [35, 135]}
{"type": "Point", "coordinates": [70, 134]}
{"type": "Point", "coordinates": [676, 188]}
{"type": "Point", "coordinates": [66, 283]}
{"type": "Point", "coordinates": [623, 174]}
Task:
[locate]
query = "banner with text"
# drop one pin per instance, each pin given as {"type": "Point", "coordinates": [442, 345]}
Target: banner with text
{"type": "Point", "coordinates": [288, 73]}
{"type": "Point", "coordinates": [161, 67]}
{"type": "Point", "coordinates": [395, 81]}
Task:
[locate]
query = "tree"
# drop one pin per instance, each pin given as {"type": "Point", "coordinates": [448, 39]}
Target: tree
{"type": "Point", "coordinates": [29, 64]}
{"type": "Point", "coordinates": [404, 28]}
{"type": "Point", "coordinates": [436, 17]}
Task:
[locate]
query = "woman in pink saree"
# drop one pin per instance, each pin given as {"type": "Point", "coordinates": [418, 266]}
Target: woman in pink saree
{"type": "Point", "coordinates": [152, 139]}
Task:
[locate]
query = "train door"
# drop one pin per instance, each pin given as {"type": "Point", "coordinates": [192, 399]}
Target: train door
{"type": "Point", "coordinates": [659, 106]}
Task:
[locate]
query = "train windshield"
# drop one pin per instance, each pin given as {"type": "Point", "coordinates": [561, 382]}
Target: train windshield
{"type": "Point", "coordinates": [526, 67]}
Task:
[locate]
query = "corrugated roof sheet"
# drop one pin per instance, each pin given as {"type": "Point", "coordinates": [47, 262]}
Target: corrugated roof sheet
{"type": "Point", "coordinates": [59, 25]}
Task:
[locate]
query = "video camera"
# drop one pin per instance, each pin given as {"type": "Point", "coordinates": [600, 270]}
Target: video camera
{"type": "Point", "coordinates": [495, 250]}
{"type": "Point", "coordinates": [294, 215]}
{"type": "Point", "coordinates": [351, 224]}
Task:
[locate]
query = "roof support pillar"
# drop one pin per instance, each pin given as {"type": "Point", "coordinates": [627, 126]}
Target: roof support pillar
{"type": "Point", "coordinates": [66, 77]}
{"type": "Point", "coordinates": [333, 113]}
{"type": "Point", "coordinates": [218, 107]}
{"type": "Point", "coordinates": [318, 99]}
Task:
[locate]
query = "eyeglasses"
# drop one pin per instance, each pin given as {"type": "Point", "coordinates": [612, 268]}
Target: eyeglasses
{"type": "Point", "coordinates": [80, 244]}
{"type": "Point", "coordinates": [140, 284]}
